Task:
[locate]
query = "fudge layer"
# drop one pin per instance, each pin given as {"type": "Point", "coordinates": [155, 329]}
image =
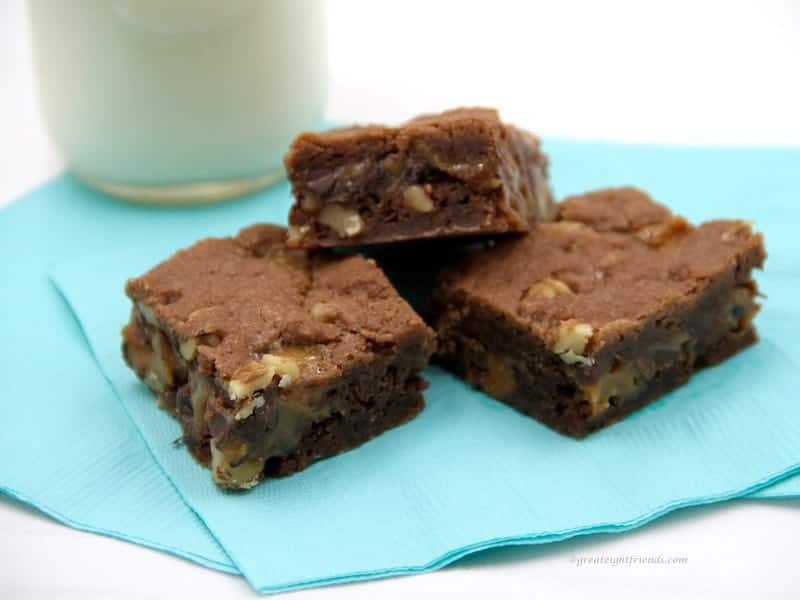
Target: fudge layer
{"type": "Point", "coordinates": [272, 358]}
{"type": "Point", "coordinates": [455, 173]}
{"type": "Point", "coordinates": [588, 318]}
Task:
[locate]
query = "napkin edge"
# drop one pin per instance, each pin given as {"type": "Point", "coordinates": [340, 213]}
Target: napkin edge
{"type": "Point", "coordinates": [60, 517]}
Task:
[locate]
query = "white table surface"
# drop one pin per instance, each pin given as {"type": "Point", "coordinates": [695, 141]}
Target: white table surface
{"type": "Point", "coordinates": [684, 72]}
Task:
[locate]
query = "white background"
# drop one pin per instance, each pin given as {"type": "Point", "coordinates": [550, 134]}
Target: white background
{"type": "Point", "coordinates": [687, 72]}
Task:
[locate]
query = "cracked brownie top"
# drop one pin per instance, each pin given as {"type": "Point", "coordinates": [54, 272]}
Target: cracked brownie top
{"type": "Point", "coordinates": [231, 301]}
{"type": "Point", "coordinates": [613, 259]}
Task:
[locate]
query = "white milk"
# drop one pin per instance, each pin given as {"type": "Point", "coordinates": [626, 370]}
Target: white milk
{"type": "Point", "coordinates": [182, 100]}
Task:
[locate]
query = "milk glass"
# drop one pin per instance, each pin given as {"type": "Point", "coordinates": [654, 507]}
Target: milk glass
{"type": "Point", "coordinates": [178, 100]}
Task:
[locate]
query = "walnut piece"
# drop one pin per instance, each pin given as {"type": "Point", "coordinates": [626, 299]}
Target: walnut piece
{"type": "Point", "coordinates": [344, 221]}
{"type": "Point", "coordinates": [228, 468]}
{"type": "Point", "coordinates": [281, 365]}
{"type": "Point", "coordinates": [295, 233]}
{"type": "Point", "coordinates": [659, 234]}
{"type": "Point", "coordinates": [147, 313]}
{"type": "Point", "coordinates": [324, 312]}
{"type": "Point", "coordinates": [572, 341]}
{"type": "Point", "coordinates": [188, 347]}
{"type": "Point", "coordinates": [548, 288]}
{"type": "Point", "coordinates": [257, 375]}
{"type": "Point", "coordinates": [160, 374]}
{"type": "Point", "coordinates": [416, 198]}
{"type": "Point", "coordinates": [250, 404]}
{"type": "Point", "coordinates": [248, 378]}
{"type": "Point", "coordinates": [151, 355]}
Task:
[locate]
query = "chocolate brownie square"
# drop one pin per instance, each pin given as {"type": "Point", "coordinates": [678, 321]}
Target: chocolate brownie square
{"type": "Point", "coordinates": [588, 318]}
{"type": "Point", "coordinates": [272, 358]}
{"type": "Point", "coordinates": [456, 173]}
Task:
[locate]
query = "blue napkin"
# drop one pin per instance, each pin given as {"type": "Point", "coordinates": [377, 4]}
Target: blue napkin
{"type": "Point", "coordinates": [80, 459]}
{"type": "Point", "coordinates": [68, 447]}
{"type": "Point", "coordinates": [470, 473]}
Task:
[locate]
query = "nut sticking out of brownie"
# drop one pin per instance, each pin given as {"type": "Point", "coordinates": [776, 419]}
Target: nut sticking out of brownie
{"type": "Point", "coordinates": [272, 358]}
{"type": "Point", "coordinates": [456, 173]}
{"type": "Point", "coordinates": [591, 317]}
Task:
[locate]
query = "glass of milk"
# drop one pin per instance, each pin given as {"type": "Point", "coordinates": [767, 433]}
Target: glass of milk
{"type": "Point", "coordinates": [178, 100]}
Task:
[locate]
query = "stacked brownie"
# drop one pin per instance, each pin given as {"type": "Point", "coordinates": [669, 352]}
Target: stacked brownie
{"type": "Point", "coordinates": [275, 350]}
{"type": "Point", "coordinates": [458, 173]}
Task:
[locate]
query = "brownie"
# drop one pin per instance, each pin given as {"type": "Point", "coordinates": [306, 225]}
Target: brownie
{"type": "Point", "coordinates": [455, 173]}
{"type": "Point", "coordinates": [272, 358]}
{"type": "Point", "coordinates": [588, 318]}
